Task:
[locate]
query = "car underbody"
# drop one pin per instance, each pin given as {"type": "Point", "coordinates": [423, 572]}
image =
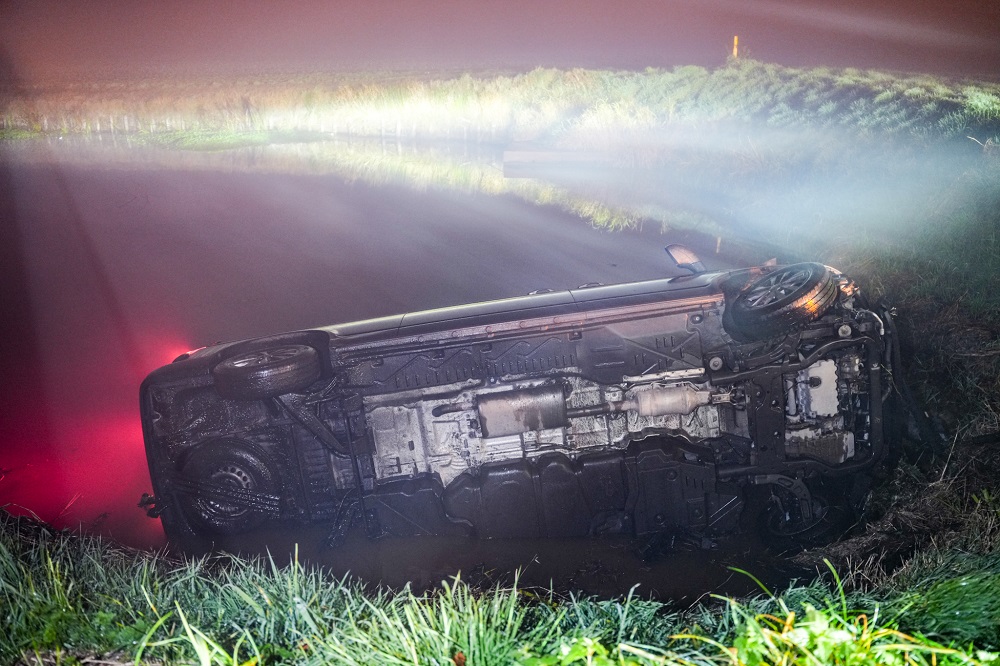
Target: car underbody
{"type": "Point", "coordinates": [638, 409]}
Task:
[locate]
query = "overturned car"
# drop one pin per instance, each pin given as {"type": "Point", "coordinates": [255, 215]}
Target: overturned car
{"type": "Point", "coordinates": [641, 409]}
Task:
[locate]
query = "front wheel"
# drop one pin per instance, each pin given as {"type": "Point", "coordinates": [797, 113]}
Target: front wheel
{"type": "Point", "coordinates": [786, 527]}
{"type": "Point", "coordinates": [782, 301]}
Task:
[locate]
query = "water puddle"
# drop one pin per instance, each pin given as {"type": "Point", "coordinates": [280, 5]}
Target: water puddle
{"type": "Point", "coordinates": [676, 571]}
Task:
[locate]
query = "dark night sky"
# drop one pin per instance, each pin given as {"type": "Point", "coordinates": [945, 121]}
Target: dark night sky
{"type": "Point", "coordinates": [71, 38]}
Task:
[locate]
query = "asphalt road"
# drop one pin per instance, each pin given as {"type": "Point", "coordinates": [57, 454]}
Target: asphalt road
{"type": "Point", "coordinates": [108, 274]}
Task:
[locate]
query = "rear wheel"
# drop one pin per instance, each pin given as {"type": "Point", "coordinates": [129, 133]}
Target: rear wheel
{"type": "Point", "coordinates": [268, 372]}
{"type": "Point", "coordinates": [782, 301]}
{"type": "Point", "coordinates": [228, 487]}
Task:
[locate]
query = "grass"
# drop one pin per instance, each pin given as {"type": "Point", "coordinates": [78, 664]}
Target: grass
{"type": "Point", "coordinates": [205, 140]}
{"type": "Point", "coordinates": [583, 108]}
{"type": "Point", "coordinates": [18, 134]}
{"type": "Point", "coordinates": [70, 598]}
{"type": "Point", "coordinates": [945, 279]}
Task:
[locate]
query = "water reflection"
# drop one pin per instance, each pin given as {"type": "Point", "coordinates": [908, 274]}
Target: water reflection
{"type": "Point", "coordinates": [464, 167]}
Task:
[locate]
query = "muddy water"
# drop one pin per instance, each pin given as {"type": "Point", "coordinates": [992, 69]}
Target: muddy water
{"type": "Point", "coordinates": [675, 570]}
{"type": "Point", "coordinates": [111, 270]}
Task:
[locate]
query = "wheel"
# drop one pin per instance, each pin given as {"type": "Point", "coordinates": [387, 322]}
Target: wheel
{"type": "Point", "coordinates": [782, 301]}
{"type": "Point", "coordinates": [227, 487]}
{"type": "Point", "coordinates": [267, 372]}
{"type": "Point", "coordinates": [785, 529]}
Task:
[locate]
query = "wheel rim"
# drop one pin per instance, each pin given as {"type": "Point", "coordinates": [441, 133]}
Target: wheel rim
{"type": "Point", "coordinates": [265, 357]}
{"type": "Point", "coordinates": [229, 476]}
{"type": "Point", "coordinates": [775, 287]}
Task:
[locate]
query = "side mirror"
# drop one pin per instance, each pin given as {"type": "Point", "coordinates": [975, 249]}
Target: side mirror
{"type": "Point", "coordinates": [685, 258]}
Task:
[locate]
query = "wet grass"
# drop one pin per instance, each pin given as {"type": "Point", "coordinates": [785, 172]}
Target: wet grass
{"type": "Point", "coordinates": [72, 599]}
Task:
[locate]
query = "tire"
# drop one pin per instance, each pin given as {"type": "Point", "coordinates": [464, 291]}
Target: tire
{"type": "Point", "coordinates": [227, 465]}
{"type": "Point", "coordinates": [781, 302]}
{"type": "Point", "coordinates": [265, 373]}
{"type": "Point", "coordinates": [785, 531]}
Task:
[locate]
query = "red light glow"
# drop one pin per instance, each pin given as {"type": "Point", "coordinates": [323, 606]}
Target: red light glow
{"type": "Point", "coordinates": [93, 484]}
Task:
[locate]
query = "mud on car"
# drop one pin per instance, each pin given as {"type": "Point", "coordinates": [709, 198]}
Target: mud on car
{"type": "Point", "coordinates": [647, 408]}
